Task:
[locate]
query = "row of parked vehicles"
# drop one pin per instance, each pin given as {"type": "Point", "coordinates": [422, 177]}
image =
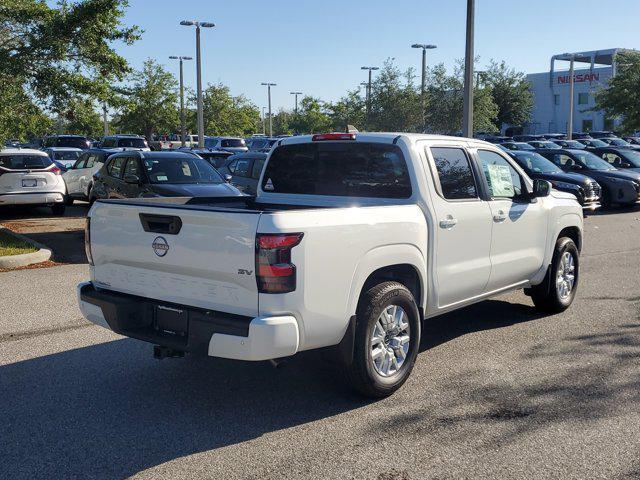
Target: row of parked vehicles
{"type": "Point", "coordinates": [598, 168]}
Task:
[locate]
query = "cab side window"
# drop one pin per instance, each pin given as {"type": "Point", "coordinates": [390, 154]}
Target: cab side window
{"type": "Point", "coordinates": [132, 167]}
{"type": "Point", "coordinates": [258, 163]}
{"type": "Point", "coordinates": [503, 180]}
{"type": "Point", "coordinates": [613, 159]}
{"type": "Point", "coordinates": [240, 167]}
{"type": "Point", "coordinates": [115, 167]}
{"type": "Point", "coordinates": [81, 162]}
{"type": "Point", "coordinates": [454, 173]}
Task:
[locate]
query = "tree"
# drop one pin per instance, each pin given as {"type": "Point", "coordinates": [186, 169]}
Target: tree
{"type": "Point", "coordinates": [150, 102]}
{"type": "Point", "coordinates": [311, 117]}
{"type": "Point", "coordinates": [80, 117]}
{"type": "Point", "coordinates": [20, 117]}
{"type": "Point", "coordinates": [621, 98]}
{"type": "Point", "coordinates": [395, 101]}
{"type": "Point", "coordinates": [225, 114]}
{"type": "Point", "coordinates": [511, 92]}
{"type": "Point", "coordinates": [59, 52]}
{"type": "Point", "coordinates": [349, 110]}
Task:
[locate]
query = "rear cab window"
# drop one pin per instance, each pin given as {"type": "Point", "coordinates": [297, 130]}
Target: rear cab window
{"type": "Point", "coordinates": [24, 162]}
{"type": "Point", "coordinates": [347, 169]}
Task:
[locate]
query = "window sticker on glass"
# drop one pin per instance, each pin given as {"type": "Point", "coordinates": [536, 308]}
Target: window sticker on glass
{"type": "Point", "coordinates": [161, 178]}
{"type": "Point", "coordinates": [186, 171]}
{"type": "Point", "coordinates": [500, 180]}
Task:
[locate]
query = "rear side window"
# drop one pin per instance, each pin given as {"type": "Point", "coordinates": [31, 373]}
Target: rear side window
{"type": "Point", "coordinates": [24, 162]}
{"type": "Point", "coordinates": [338, 168]}
{"type": "Point", "coordinates": [256, 170]}
{"type": "Point", "coordinates": [240, 167]}
{"type": "Point", "coordinates": [232, 143]}
{"type": "Point", "coordinates": [73, 142]}
{"type": "Point", "coordinates": [454, 173]}
{"type": "Point", "coordinates": [115, 167]}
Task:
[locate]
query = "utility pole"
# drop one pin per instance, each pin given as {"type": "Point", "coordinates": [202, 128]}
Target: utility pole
{"type": "Point", "coordinates": [571, 85]}
{"type": "Point", "coordinates": [369, 94]}
{"type": "Point", "coordinates": [269, 85]}
{"type": "Point", "coordinates": [104, 119]}
{"type": "Point", "coordinates": [190, 23]}
{"type": "Point", "coordinates": [296, 95]}
{"type": "Point", "coordinates": [423, 88]}
{"type": "Point", "coordinates": [264, 128]}
{"type": "Point", "coordinates": [467, 113]}
{"type": "Point", "coordinates": [183, 127]}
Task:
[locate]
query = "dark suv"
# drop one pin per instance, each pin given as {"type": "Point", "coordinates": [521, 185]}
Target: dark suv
{"type": "Point", "coordinates": [73, 141]}
{"type": "Point", "coordinates": [133, 173]}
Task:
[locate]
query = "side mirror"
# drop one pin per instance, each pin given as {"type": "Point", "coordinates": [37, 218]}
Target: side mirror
{"type": "Point", "coordinates": [130, 178]}
{"type": "Point", "coordinates": [228, 178]}
{"type": "Point", "coordinates": [576, 167]}
{"type": "Point", "coordinates": [625, 165]}
{"type": "Point", "coordinates": [541, 188]}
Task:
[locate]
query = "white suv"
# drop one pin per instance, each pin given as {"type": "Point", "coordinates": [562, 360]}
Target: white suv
{"type": "Point", "coordinates": [29, 177]}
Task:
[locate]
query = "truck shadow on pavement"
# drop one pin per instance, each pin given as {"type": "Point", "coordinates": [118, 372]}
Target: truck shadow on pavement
{"type": "Point", "coordinates": [110, 410]}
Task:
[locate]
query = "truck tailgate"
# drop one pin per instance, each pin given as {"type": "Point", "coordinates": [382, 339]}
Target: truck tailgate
{"type": "Point", "coordinates": [208, 263]}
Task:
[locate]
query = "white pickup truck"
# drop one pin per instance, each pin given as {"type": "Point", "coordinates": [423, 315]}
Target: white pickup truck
{"type": "Point", "coordinates": [353, 241]}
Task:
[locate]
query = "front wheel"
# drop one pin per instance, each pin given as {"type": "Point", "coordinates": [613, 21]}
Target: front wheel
{"type": "Point", "coordinates": [58, 209]}
{"type": "Point", "coordinates": [557, 292]}
{"type": "Point", "coordinates": [387, 338]}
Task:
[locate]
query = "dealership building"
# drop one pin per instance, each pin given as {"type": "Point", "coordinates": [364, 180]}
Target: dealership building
{"type": "Point", "coordinates": [551, 92]}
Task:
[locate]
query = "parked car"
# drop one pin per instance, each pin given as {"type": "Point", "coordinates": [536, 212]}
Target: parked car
{"type": "Point", "coordinates": [134, 142]}
{"type": "Point", "coordinates": [73, 141]}
{"type": "Point", "coordinates": [528, 138]}
{"type": "Point", "coordinates": [572, 144]}
{"type": "Point", "coordinates": [554, 136]}
{"type": "Point", "coordinates": [497, 139]}
{"type": "Point", "coordinates": [516, 146]}
{"type": "Point", "coordinates": [633, 140]}
{"type": "Point", "coordinates": [135, 174]}
{"type": "Point", "coordinates": [347, 243]}
{"type": "Point", "coordinates": [585, 189]}
{"type": "Point", "coordinates": [262, 144]}
{"type": "Point", "coordinates": [581, 136]}
{"type": "Point", "coordinates": [230, 144]}
{"type": "Point", "coordinates": [602, 134]}
{"type": "Point", "coordinates": [67, 156]}
{"type": "Point", "coordinates": [244, 170]}
{"type": "Point", "coordinates": [217, 158]}
{"type": "Point", "coordinates": [592, 143]}
{"type": "Point", "coordinates": [29, 177]}
{"type": "Point", "coordinates": [618, 186]}
{"type": "Point", "coordinates": [543, 144]}
{"type": "Point", "coordinates": [79, 177]}
{"type": "Point", "coordinates": [618, 142]}
{"type": "Point", "coordinates": [621, 158]}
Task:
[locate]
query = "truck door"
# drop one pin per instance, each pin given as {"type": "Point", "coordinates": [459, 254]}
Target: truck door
{"type": "Point", "coordinates": [462, 226]}
{"type": "Point", "coordinates": [519, 224]}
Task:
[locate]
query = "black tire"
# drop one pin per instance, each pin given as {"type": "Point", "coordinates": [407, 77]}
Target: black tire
{"type": "Point", "coordinates": [605, 199]}
{"type": "Point", "coordinates": [361, 373]}
{"type": "Point", "coordinates": [58, 209]}
{"type": "Point", "coordinates": [545, 296]}
{"type": "Point", "coordinates": [68, 201]}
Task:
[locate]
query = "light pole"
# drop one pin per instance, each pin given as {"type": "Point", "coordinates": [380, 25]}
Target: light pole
{"type": "Point", "coordinates": [423, 88]}
{"type": "Point", "coordinates": [269, 85]}
{"type": "Point", "coordinates": [264, 128]}
{"type": "Point", "coordinates": [369, 93]}
{"type": "Point", "coordinates": [190, 23]}
{"type": "Point", "coordinates": [571, 82]}
{"type": "Point", "coordinates": [183, 127]}
{"type": "Point", "coordinates": [479, 75]}
{"type": "Point", "coordinates": [296, 95]}
{"type": "Point", "coordinates": [467, 110]}
{"type": "Point", "coordinates": [104, 119]}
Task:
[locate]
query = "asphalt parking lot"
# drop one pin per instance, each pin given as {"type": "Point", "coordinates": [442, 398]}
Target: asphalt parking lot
{"type": "Point", "coordinates": [499, 391]}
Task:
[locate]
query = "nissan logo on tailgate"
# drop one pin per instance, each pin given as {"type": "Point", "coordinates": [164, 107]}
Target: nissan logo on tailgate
{"type": "Point", "coordinates": [160, 246]}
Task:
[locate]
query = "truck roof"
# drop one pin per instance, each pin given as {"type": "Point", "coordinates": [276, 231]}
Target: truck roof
{"type": "Point", "coordinates": [387, 137]}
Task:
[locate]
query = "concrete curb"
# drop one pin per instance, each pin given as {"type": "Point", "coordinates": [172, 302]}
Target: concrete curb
{"type": "Point", "coordinates": [14, 261]}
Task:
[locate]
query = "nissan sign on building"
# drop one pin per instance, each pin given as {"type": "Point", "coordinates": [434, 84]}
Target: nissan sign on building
{"type": "Point", "coordinates": [550, 114]}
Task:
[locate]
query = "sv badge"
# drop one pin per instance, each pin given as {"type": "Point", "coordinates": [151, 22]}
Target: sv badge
{"type": "Point", "coordinates": [242, 271]}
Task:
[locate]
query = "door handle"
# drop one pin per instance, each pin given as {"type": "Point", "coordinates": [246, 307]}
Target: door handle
{"type": "Point", "coordinates": [448, 222]}
{"type": "Point", "coordinates": [499, 217]}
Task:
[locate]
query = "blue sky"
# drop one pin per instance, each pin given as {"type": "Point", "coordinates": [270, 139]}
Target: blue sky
{"type": "Point", "coordinates": [318, 47]}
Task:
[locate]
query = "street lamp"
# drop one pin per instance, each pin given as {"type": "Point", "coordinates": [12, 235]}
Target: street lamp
{"type": "Point", "coordinates": [183, 127]}
{"type": "Point", "coordinates": [269, 85]}
{"type": "Point", "coordinates": [571, 57]}
{"type": "Point", "coordinates": [191, 23]}
{"type": "Point", "coordinates": [369, 93]}
{"type": "Point", "coordinates": [264, 128]}
{"type": "Point", "coordinates": [423, 97]}
{"type": "Point", "coordinates": [296, 94]}
{"type": "Point", "coordinates": [467, 110]}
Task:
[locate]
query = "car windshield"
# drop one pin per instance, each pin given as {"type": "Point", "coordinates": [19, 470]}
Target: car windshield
{"type": "Point", "coordinates": [572, 144]}
{"type": "Point", "coordinates": [232, 143]}
{"type": "Point", "coordinates": [66, 155]}
{"type": "Point", "coordinates": [631, 156]}
{"type": "Point", "coordinates": [214, 159]}
{"type": "Point", "coordinates": [71, 142]}
{"type": "Point", "coordinates": [596, 143]}
{"type": "Point", "coordinates": [181, 170]}
{"type": "Point", "coordinates": [618, 142]}
{"type": "Point", "coordinates": [132, 142]}
{"type": "Point", "coordinates": [24, 162]}
{"type": "Point", "coordinates": [536, 163]}
{"type": "Point", "coordinates": [592, 161]}
{"type": "Point", "coordinates": [256, 144]}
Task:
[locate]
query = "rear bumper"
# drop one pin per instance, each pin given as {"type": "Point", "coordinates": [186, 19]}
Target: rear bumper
{"type": "Point", "coordinates": [205, 332]}
{"type": "Point", "coordinates": [40, 198]}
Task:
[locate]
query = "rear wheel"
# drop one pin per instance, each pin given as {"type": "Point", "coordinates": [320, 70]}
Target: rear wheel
{"type": "Point", "coordinates": [68, 200]}
{"type": "Point", "coordinates": [557, 292]}
{"type": "Point", "coordinates": [58, 209]}
{"type": "Point", "coordinates": [387, 338]}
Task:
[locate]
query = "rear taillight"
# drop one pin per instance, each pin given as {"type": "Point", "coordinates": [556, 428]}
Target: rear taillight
{"type": "Point", "coordinates": [274, 271]}
{"type": "Point", "coordinates": [333, 136]}
{"type": "Point", "coordinates": [87, 240]}
{"type": "Point", "coordinates": [54, 169]}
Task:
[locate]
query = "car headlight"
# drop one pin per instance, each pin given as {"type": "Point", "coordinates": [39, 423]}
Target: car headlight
{"type": "Point", "coordinates": [568, 186]}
